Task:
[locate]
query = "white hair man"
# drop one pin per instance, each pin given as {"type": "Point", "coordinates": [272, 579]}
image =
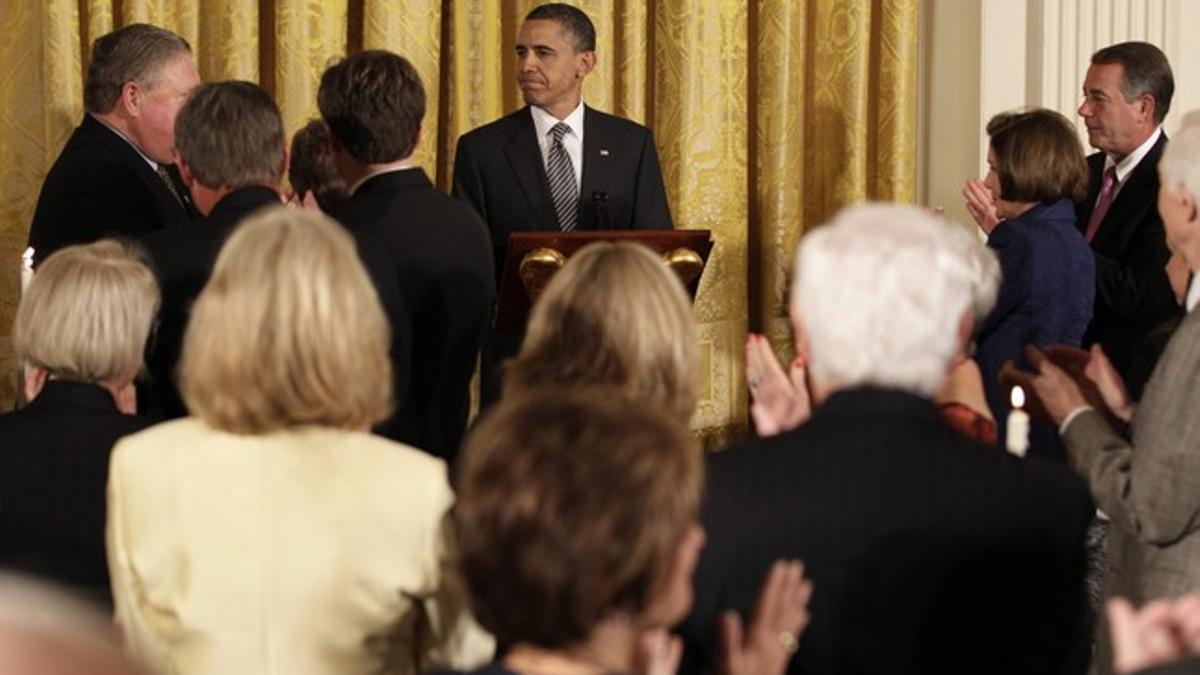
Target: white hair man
{"type": "Point", "coordinates": [1140, 459]}
{"type": "Point", "coordinates": [897, 517]}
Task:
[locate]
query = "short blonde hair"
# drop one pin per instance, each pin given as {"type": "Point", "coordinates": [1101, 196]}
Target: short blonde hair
{"type": "Point", "coordinates": [88, 312]}
{"type": "Point", "coordinates": [288, 331]}
{"type": "Point", "coordinates": [615, 315]}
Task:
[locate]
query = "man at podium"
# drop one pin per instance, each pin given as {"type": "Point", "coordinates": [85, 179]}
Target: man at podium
{"type": "Point", "coordinates": [556, 164]}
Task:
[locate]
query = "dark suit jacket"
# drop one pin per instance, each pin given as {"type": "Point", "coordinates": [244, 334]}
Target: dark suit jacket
{"type": "Point", "coordinates": [443, 269]}
{"type": "Point", "coordinates": [499, 171]}
{"type": "Point", "coordinates": [1133, 295]}
{"type": "Point", "coordinates": [100, 186]}
{"type": "Point", "coordinates": [1046, 292]}
{"type": "Point", "coordinates": [53, 473]}
{"type": "Point", "coordinates": [928, 552]}
{"type": "Point", "coordinates": [183, 257]}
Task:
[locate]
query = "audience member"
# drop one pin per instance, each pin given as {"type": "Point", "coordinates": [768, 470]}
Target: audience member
{"type": "Point", "coordinates": [931, 552]}
{"type": "Point", "coordinates": [616, 316]}
{"type": "Point", "coordinates": [44, 632]}
{"type": "Point", "coordinates": [115, 176]}
{"type": "Point", "coordinates": [1126, 95]}
{"type": "Point", "coordinates": [1145, 477]}
{"type": "Point", "coordinates": [81, 329]}
{"type": "Point", "coordinates": [575, 579]}
{"type": "Point", "coordinates": [373, 103]}
{"type": "Point", "coordinates": [1025, 206]}
{"type": "Point", "coordinates": [229, 140]}
{"type": "Point", "coordinates": [269, 533]}
{"type": "Point", "coordinates": [312, 172]}
{"type": "Point", "coordinates": [556, 164]}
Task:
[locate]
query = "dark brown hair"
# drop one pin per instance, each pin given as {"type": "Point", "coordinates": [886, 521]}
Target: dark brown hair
{"type": "Point", "coordinates": [231, 134]}
{"type": "Point", "coordinates": [373, 103]}
{"type": "Point", "coordinates": [312, 168]}
{"type": "Point", "coordinates": [1038, 157]}
{"type": "Point", "coordinates": [130, 54]}
{"type": "Point", "coordinates": [1147, 72]}
{"type": "Point", "coordinates": [574, 22]}
{"type": "Point", "coordinates": [571, 506]}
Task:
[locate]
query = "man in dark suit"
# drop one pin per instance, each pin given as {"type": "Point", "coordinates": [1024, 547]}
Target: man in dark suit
{"type": "Point", "coordinates": [232, 155]}
{"type": "Point", "coordinates": [928, 552]}
{"type": "Point", "coordinates": [557, 164]}
{"type": "Point", "coordinates": [115, 176]}
{"type": "Point", "coordinates": [1126, 95]}
{"type": "Point", "coordinates": [373, 103]}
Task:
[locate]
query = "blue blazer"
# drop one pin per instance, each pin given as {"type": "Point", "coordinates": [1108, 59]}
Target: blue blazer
{"type": "Point", "coordinates": [1047, 288]}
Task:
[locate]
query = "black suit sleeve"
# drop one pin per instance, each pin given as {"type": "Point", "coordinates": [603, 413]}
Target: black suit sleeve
{"type": "Point", "coordinates": [467, 185]}
{"type": "Point", "coordinates": [650, 210]}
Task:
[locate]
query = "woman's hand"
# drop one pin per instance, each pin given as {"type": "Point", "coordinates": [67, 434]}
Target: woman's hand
{"type": "Point", "coordinates": [778, 402]}
{"type": "Point", "coordinates": [780, 615]}
{"type": "Point", "coordinates": [981, 205]}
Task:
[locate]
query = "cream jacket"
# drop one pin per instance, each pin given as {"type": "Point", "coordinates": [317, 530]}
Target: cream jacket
{"type": "Point", "coordinates": [308, 551]}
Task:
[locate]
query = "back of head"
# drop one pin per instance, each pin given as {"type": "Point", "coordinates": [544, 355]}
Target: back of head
{"type": "Point", "coordinates": [288, 331]}
{"type": "Point", "coordinates": [571, 506]}
{"type": "Point", "coordinates": [575, 23]}
{"type": "Point", "coordinates": [312, 168]}
{"type": "Point", "coordinates": [1180, 164]}
{"type": "Point", "coordinates": [373, 102]}
{"type": "Point", "coordinates": [615, 316]}
{"type": "Point", "coordinates": [133, 53]}
{"type": "Point", "coordinates": [881, 291]}
{"type": "Point", "coordinates": [45, 632]}
{"type": "Point", "coordinates": [230, 134]}
{"type": "Point", "coordinates": [1147, 71]}
{"type": "Point", "coordinates": [1038, 157]}
{"type": "Point", "coordinates": [87, 314]}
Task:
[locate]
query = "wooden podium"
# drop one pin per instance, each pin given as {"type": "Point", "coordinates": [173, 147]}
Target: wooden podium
{"type": "Point", "coordinates": [534, 257]}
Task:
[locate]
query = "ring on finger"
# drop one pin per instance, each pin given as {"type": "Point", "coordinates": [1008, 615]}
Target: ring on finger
{"type": "Point", "coordinates": [788, 641]}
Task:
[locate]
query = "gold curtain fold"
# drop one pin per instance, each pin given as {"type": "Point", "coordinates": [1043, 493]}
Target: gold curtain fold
{"type": "Point", "coordinates": [768, 115]}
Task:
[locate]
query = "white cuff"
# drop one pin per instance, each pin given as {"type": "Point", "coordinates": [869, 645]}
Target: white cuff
{"type": "Point", "coordinates": [1062, 428]}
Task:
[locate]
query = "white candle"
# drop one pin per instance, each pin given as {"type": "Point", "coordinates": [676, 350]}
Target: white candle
{"type": "Point", "coordinates": [1017, 431]}
{"type": "Point", "coordinates": [26, 269]}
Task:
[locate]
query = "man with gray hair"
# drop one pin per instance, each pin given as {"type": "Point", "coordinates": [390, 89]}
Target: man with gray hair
{"type": "Point", "coordinates": [928, 552]}
{"type": "Point", "coordinates": [1139, 457]}
{"type": "Point", "coordinates": [115, 176]}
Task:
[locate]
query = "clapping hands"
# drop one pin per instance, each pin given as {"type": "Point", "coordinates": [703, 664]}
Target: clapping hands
{"type": "Point", "coordinates": [778, 402]}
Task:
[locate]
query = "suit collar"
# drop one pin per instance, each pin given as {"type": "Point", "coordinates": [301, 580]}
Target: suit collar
{"type": "Point", "coordinates": [1138, 193]}
{"type": "Point", "coordinates": [525, 160]}
{"type": "Point", "coordinates": [874, 401]}
{"type": "Point", "coordinates": [243, 201]}
{"type": "Point", "coordinates": [400, 179]}
{"type": "Point", "coordinates": [60, 393]}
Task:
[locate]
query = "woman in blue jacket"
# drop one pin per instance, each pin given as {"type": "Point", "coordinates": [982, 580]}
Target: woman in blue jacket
{"type": "Point", "coordinates": [1025, 206]}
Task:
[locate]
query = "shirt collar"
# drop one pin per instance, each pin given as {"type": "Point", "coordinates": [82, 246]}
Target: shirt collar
{"type": "Point", "coordinates": [543, 121]}
{"type": "Point", "coordinates": [1125, 166]}
{"type": "Point", "coordinates": [402, 166]}
{"type": "Point", "coordinates": [1193, 294]}
{"type": "Point", "coordinates": [153, 164]}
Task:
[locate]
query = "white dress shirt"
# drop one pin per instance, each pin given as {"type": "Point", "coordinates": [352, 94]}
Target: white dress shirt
{"type": "Point", "coordinates": [153, 164]}
{"type": "Point", "coordinates": [572, 141]}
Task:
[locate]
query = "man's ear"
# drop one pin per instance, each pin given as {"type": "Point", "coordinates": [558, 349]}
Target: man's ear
{"type": "Point", "coordinates": [1189, 203]}
{"type": "Point", "coordinates": [185, 171]}
{"type": "Point", "coordinates": [587, 63]}
{"type": "Point", "coordinates": [130, 99]}
{"type": "Point", "coordinates": [1146, 106]}
{"type": "Point", "coordinates": [799, 334]}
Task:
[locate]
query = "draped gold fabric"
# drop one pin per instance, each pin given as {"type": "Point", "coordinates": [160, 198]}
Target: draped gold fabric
{"type": "Point", "coordinates": [768, 115]}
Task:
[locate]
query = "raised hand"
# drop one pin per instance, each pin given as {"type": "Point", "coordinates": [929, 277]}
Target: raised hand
{"type": "Point", "coordinates": [780, 615]}
{"type": "Point", "coordinates": [778, 402]}
{"type": "Point", "coordinates": [981, 205]}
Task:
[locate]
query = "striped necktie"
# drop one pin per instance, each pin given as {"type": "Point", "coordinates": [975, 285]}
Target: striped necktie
{"type": "Point", "coordinates": [165, 175]}
{"type": "Point", "coordinates": [564, 192]}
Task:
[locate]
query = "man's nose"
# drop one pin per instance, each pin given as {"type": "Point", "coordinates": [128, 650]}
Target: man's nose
{"type": "Point", "coordinates": [1085, 108]}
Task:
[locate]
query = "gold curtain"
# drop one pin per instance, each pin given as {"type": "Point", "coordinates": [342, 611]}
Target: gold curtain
{"type": "Point", "coordinates": [768, 115]}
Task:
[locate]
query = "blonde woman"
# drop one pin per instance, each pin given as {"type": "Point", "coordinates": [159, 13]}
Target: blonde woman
{"type": "Point", "coordinates": [270, 533]}
{"type": "Point", "coordinates": [616, 316]}
{"type": "Point", "coordinates": [81, 329]}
